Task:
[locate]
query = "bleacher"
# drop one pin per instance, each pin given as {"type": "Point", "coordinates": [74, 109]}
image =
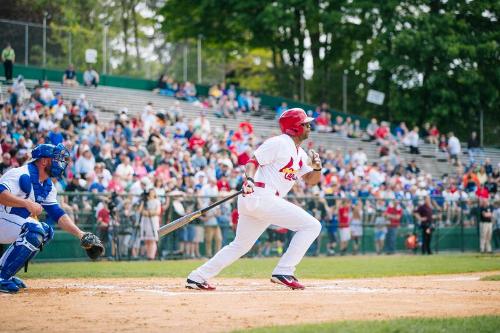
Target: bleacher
{"type": "Point", "coordinates": [109, 101]}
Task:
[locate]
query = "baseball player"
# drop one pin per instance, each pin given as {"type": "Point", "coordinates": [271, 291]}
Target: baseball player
{"type": "Point", "coordinates": [24, 192]}
{"type": "Point", "coordinates": [270, 175]}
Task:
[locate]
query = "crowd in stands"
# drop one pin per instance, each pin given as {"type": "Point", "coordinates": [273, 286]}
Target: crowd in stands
{"type": "Point", "coordinates": [191, 161]}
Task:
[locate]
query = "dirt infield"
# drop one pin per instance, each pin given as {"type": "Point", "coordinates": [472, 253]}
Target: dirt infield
{"type": "Point", "coordinates": [163, 305]}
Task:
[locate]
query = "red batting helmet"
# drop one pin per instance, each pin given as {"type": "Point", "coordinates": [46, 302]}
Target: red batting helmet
{"type": "Point", "coordinates": [291, 121]}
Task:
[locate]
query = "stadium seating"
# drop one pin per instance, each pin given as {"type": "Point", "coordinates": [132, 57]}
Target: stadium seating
{"type": "Point", "coordinates": [110, 100]}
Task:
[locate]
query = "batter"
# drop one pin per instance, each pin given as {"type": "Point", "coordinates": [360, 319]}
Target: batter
{"type": "Point", "coordinates": [270, 175]}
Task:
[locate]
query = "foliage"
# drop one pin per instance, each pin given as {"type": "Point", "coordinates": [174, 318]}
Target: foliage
{"type": "Point", "coordinates": [436, 61]}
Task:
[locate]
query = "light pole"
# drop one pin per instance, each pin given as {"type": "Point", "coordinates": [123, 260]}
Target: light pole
{"type": "Point", "coordinates": [105, 48]}
{"type": "Point", "coordinates": [44, 56]}
{"type": "Point", "coordinates": [199, 59]}
{"type": "Point", "coordinates": [344, 91]}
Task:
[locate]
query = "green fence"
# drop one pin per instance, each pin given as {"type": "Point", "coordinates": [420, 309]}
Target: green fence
{"type": "Point", "coordinates": [461, 235]}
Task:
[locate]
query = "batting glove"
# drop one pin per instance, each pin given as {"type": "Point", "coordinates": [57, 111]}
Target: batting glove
{"type": "Point", "coordinates": [315, 160]}
{"type": "Point", "coordinates": [248, 186]}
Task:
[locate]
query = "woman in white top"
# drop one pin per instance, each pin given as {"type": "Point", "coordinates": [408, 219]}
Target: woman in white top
{"type": "Point", "coordinates": [150, 210]}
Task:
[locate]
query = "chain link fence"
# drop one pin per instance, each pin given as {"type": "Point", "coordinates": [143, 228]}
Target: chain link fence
{"type": "Point", "coordinates": [57, 47]}
{"type": "Point", "coordinates": [455, 227]}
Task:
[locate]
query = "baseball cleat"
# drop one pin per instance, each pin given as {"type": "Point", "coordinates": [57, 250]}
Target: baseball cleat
{"type": "Point", "coordinates": [8, 286]}
{"type": "Point", "coordinates": [19, 283]}
{"type": "Point", "coordinates": [287, 280]}
{"type": "Point", "coordinates": [190, 284]}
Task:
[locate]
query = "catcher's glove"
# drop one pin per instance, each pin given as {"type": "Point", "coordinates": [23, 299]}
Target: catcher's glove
{"type": "Point", "coordinates": [92, 245]}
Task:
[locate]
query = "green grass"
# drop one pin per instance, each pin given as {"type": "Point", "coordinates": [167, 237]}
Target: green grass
{"type": "Point", "coordinates": [491, 278]}
{"type": "Point", "coordinates": [318, 268]}
{"type": "Point", "coordinates": [483, 324]}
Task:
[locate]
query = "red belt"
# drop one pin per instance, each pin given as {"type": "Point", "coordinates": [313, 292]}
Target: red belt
{"type": "Point", "coordinates": [263, 185]}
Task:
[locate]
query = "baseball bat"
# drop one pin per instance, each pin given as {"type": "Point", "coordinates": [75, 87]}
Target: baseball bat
{"type": "Point", "coordinates": [182, 221]}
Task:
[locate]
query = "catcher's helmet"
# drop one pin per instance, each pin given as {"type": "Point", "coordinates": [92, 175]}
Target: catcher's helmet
{"type": "Point", "coordinates": [59, 155]}
{"type": "Point", "coordinates": [291, 121]}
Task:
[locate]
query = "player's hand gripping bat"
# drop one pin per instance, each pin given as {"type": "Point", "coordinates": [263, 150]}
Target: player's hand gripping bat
{"type": "Point", "coordinates": [182, 221]}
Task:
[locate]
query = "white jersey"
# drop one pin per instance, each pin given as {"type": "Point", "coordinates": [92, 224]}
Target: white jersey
{"type": "Point", "coordinates": [11, 181]}
{"type": "Point", "coordinates": [281, 164]}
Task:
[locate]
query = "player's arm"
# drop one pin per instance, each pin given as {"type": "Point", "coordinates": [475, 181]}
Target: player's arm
{"type": "Point", "coordinates": [250, 170]}
{"type": "Point", "coordinates": [69, 226]}
{"type": "Point", "coordinates": [10, 200]}
{"type": "Point", "coordinates": [314, 176]}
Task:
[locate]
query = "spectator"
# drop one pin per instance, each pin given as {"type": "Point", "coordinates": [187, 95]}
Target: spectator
{"type": "Point", "coordinates": [433, 137]}
{"type": "Point", "coordinates": [453, 149]}
{"type": "Point", "coordinates": [496, 225]}
{"type": "Point", "coordinates": [357, 225]}
{"type": "Point", "coordinates": [359, 157]}
{"type": "Point", "coordinates": [413, 140]}
{"type": "Point", "coordinates": [371, 129]}
{"type": "Point", "coordinates": [380, 225]}
{"type": "Point", "coordinates": [8, 58]}
{"type": "Point", "coordinates": [474, 148]}
{"type": "Point", "coordinates": [323, 122]}
{"type": "Point", "coordinates": [344, 225]}
{"type": "Point", "coordinates": [443, 144]}
{"type": "Point", "coordinates": [103, 222]}
{"type": "Point", "coordinates": [280, 109]}
{"type": "Point", "coordinates": [424, 215]}
{"type": "Point", "coordinates": [485, 225]}
{"type": "Point", "coordinates": [46, 93]}
{"type": "Point", "coordinates": [212, 231]}
{"type": "Point", "coordinates": [6, 163]}
{"type": "Point", "coordinates": [413, 168]}
{"type": "Point", "coordinates": [69, 77]}
{"type": "Point", "coordinates": [85, 163]}
{"type": "Point", "coordinates": [401, 131]}
{"type": "Point", "coordinates": [90, 78]}
{"type": "Point", "coordinates": [394, 212]}
{"type": "Point", "coordinates": [150, 210]}
{"type": "Point", "coordinates": [355, 132]}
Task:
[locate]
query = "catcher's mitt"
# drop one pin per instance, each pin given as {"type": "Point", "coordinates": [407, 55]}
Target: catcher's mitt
{"type": "Point", "coordinates": [92, 245]}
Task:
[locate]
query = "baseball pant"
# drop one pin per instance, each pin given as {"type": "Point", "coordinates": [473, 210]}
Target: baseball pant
{"type": "Point", "coordinates": [257, 212]}
{"type": "Point", "coordinates": [10, 226]}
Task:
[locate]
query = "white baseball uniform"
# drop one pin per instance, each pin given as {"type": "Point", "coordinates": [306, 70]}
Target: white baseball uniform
{"type": "Point", "coordinates": [11, 219]}
{"type": "Point", "coordinates": [281, 163]}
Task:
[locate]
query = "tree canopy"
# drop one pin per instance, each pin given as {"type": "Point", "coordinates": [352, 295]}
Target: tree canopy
{"type": "Point", "coordinates": [435, 61]}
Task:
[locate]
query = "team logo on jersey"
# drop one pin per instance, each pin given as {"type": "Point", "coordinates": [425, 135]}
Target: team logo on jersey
{"type": "Point", "coordinates": [288, 171]}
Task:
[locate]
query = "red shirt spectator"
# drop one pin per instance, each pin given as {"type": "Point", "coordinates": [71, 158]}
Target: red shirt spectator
{"type": "Point", "coordinates": [344, 216]}
{"type": "Point", "coordinates": [103, 218]}
{"type": "Point", "coordinates": [322, 120]}
{"type": "Point", "coordinates": [243, 158]}
{"type": "Point", "coordinates": [223, 184]}
{"type": "Point", "coordinates": [434, 131]}
{"type": "Point", "coordinates": [394, 213]}
{"type": "Point", "coordinates": [381, 132]}
{"type": "Point", "coordinates": [482, 192]}
{"type": "Point", "coordinates": [195, 142]}
{"type": "Point", "coordinates": [246, 127]}
{"type": "Point", "coordinates": [115, 185]}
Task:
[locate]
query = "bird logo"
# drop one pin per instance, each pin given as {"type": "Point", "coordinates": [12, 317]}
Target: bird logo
{"type": "Point", "coordinates": [288, 170]}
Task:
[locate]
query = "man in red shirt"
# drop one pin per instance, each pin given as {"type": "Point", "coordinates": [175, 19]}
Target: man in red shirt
{"type": "Point", "coordinates": [394, 212]}
{"type": "Point", "coordinates": [103, 219]}
{"type": "Point", "coordinates": [344, 229]}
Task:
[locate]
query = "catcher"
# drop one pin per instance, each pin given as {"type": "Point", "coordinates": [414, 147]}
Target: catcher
{"type": "Point", "coordinates": [24, 192]}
